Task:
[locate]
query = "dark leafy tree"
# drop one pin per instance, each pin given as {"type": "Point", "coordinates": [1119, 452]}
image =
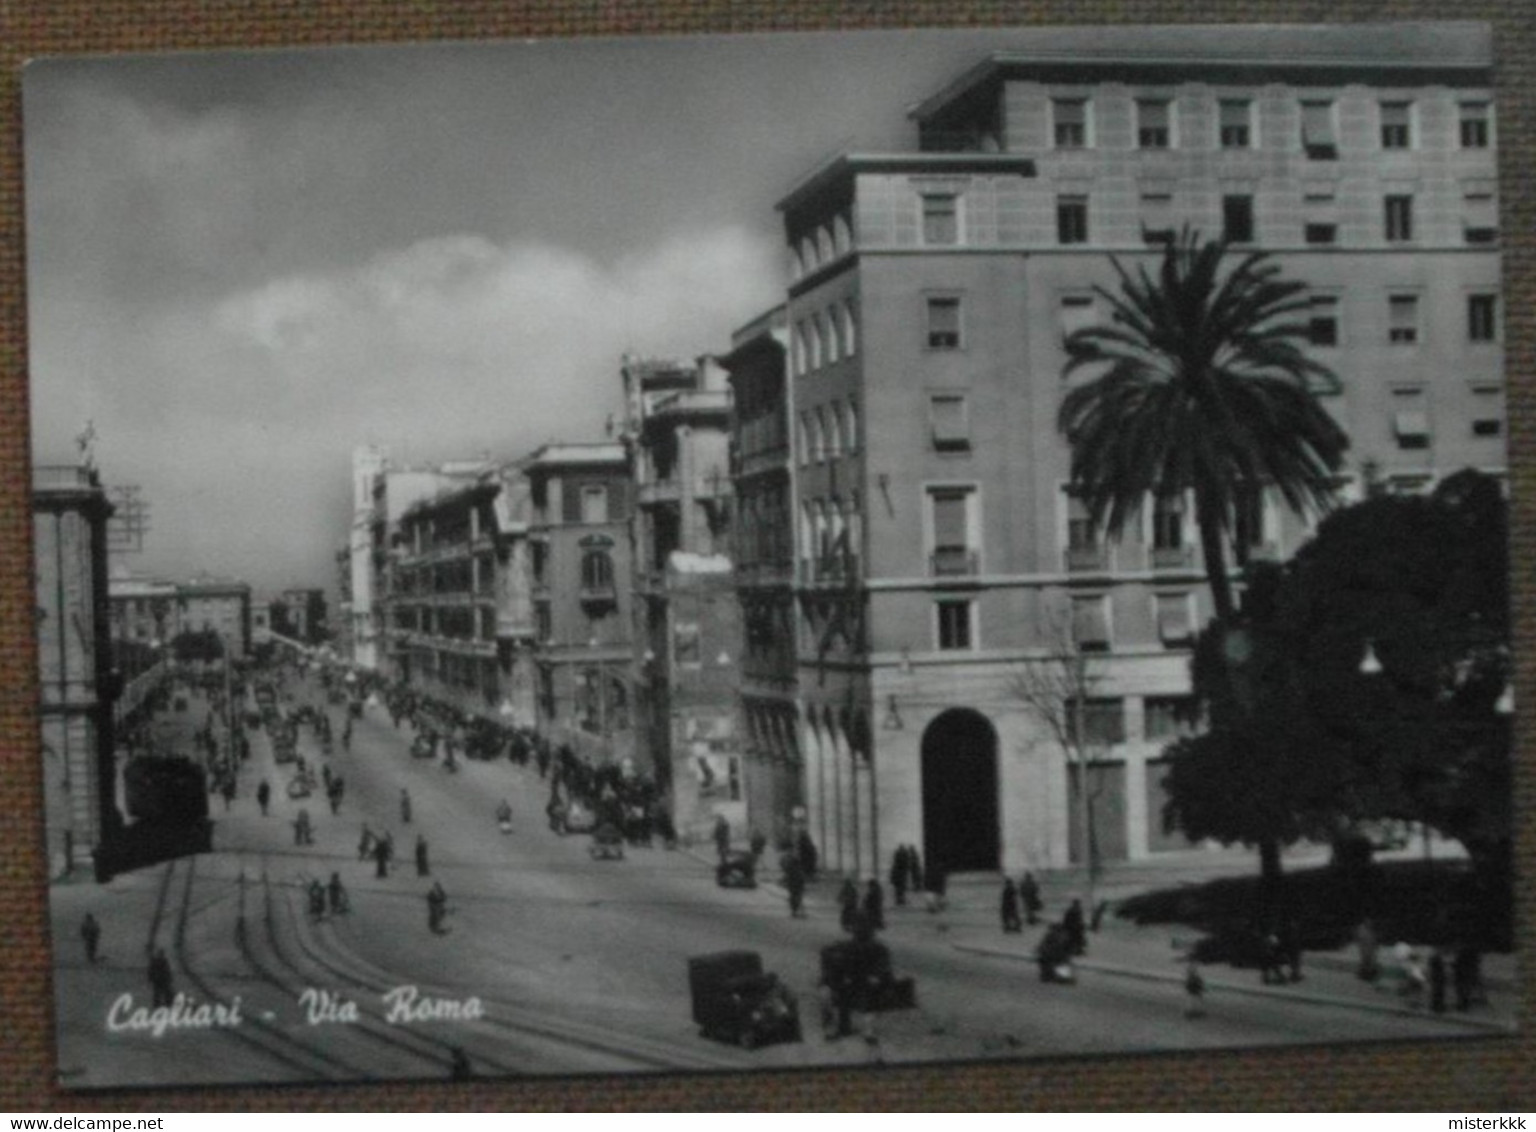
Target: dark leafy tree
{"type": "Point", "coordinates": [1323, 740]}
{"type": "Point", "coordinates": [1200, 383]}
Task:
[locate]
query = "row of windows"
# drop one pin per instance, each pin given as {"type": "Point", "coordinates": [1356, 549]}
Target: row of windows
{"type": "Point", "coordinates": [825, 338]}
{"type": "Point", "coordinates": [829, 431]}
{"type": "Point", "coordinates": [1403, 319]}
{"type": "Point", "coordinates": [1158, 125]}
{"type": "Point", "coordinates": [943, 223]}
{"type": "Point", "coordinates": [955, 625]}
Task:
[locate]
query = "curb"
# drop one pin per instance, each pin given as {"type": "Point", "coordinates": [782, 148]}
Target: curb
{"type": "Point", "coordinates": [1493, 1025]}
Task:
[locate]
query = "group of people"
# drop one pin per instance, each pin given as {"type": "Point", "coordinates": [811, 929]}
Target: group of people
{"type": "Point", "coordinates": [1437, 974]}
{"type": "Point", "coordinates": [1025, 895]}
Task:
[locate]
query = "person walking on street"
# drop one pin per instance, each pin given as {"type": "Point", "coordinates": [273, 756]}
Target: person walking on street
{"type": "Point", "coordinates": [794, 884]}
{"type": "Point", "coordinates": [437, 907]}
{"type": "Point", "coordinates": [1366, 946]}
{"type": "Point", "coordinates": [722, 836]}
{"type": "Point", "coordinates": [90, 935]}
{"type": "Point", "coordinates": [263, 796]}
{"type": "Point", "coordinates": [381, 858]}
{"type": "Point", "coordinates": [337, 894]}
{"type": "Point", "coordinates": [805, 849]}
{"type": "Point", "coordinates": [1029, 896]}
{"type": "Point", "coordinates": [421, 856]}
{"type": "Point", "coordinates": [899, 876]}
{"type": "Point", "coordinates": [1077, 931]}
{"type": "Point", "coordinates": [1437, 980]}
{"type": "Point", "coordinates": [1009, 909]}
{"type": "Point", "coordinates": [1194, 986]}
{"type": "Point", "coordinates": [161, 985]}
{"type": "Point", "coordinates": [874, 905]}
{"type": "Point", "coordinates": [848, 900]}
{"type": "Point", "coordinates": [405, 806]}
{"type": "Point", "coordinates": [303, 832]}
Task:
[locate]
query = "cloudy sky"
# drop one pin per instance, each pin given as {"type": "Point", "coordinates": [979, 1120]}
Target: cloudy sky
{"type": "Point", "coordinates": [241, 266]}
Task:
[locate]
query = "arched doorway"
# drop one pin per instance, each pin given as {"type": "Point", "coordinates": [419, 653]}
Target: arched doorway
{"type": "Point", "coordinates": [960, 827]}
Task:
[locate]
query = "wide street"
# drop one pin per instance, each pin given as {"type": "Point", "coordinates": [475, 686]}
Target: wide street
{"type": "Point", "coordinates": [578, 965]}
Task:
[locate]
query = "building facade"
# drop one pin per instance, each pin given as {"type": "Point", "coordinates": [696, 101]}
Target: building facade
{"type": "Point", "coordinates": [687, 630]}
{"type": "Point", "coordinates": [937, 549]}
{"type": "Point", "coordinates": [762, 475]}
{"type": "Point", "coordinates": [579, 564]}
{"type": "Point", "coordinates": [459, 610]}
{"type": "Point", "coordinates": [218, 604]}
{"type": "Point", "coordinates": [76, 688]}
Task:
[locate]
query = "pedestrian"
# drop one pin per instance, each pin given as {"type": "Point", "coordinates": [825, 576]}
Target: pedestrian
{"type": "Point", "coordinates": [303, 832]}
{"type": "Point", "coordinates": [1077, 934]}
{"type": "Point", "coordinates": [848, 901]}
{"type": "Point", "coordinates": [722, 836]}
{"type": "Point", "coordinates": [333, 795]}
{"type": "Point", "coordinates": [421, 856]}
{"type": "Point", "coordinates": [263, 796]}
{"type": "Point", "coordinates": [405, 806]}
{"type": "Point", "coordinates": [337, 894]}
{"type": "Point", "coordinates": [1466, 976]}
{"type": "Point", "coordinates": [1194, 986]}
{"type": "Point", "coordinates": [365, 844]}
{"type": "Point", "coordinates": [794, 884]}
{"type": "Point", "coordinates": [810, 860]}
{"type": "Point", "coordinates": [90, 934]}
{"type": "Point", "coordinates": [1366, 946]}
{"type": "Point", "coordinates": [1009, 909]}
{"type": "Point", "coordinates": [1029, 896]}
{"type": "Point", "coordinates": [874, 905]}
{"type": "Point", "coordinates": [437, 907]}
{"type": "Point", "coordinates": [381, 858]}
{"type": "Point", "coordinates": [316, 898]}
{"type": "Point", "coordinates": [899, 875]}
{"type": "Point", "coordinates": [1437, 980]}
{"type": "Point", "coordinates": [1054, 955]}
{"type": "Point", "coordinates": [325, 776]}
{"type": "Point", "coordinates": [161, 984]}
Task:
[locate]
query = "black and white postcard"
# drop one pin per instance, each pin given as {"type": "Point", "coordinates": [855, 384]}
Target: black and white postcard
{"type": "Point", "coordinates": [717, 553]}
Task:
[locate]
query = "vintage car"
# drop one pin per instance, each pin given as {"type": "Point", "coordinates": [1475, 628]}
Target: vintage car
{"type": "Point", "coordinates": [856, 976]}
{"type": "Point", "coordinates": [735, 1000]}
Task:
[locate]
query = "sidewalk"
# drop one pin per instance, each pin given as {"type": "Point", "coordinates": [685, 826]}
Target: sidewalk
{"type": "Point", "coordinates": [1158, 953]}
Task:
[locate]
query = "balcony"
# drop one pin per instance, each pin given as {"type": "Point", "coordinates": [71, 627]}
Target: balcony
{"type": "Point", "coordinates": [1173, 557]}
{"type": "Point", "coordinates": [1087, 559]}
{"type": "Point", "coordinates": [954, 562]}
{"type": "Point", "coordinates": [598, 593]}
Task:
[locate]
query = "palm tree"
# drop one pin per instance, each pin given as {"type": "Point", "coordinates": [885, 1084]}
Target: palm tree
{"type": "Point", "coordinates": [1207, 389]}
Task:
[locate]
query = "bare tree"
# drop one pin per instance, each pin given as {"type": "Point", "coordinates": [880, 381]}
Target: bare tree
{"type": "Point", "coordinates": [1055, 689]}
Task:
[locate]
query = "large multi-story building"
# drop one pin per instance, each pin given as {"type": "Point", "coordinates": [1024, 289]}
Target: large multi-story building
{"type": "Point", "coordinates": [580, 563]}
{"type": "Point", "coordinates": [687, 622]}
{"type": "Point", "coordinates": [460, 611]}
{"type": "Point", "coordinates": [764, 553]}
{"type": "Point", "coordinates": [937, 547]}
{"type": "Point", "coordinates": [74, 652]}
{"type": "Point", "coordinates": [222, 605]}
{"type": "Point", "coordinates": [299, 614]}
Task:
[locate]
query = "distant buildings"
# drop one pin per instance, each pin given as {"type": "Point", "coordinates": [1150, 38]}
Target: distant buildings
{"type": "Point", "coordinates": [299, 614]}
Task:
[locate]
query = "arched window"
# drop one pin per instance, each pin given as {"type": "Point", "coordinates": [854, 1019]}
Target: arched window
{"type": "Point", "coordinates": [823, 434]}
{"type": "Point", "coordinates": [842, 236]}
{"type": "Point", "coordinates": [818, 341]}
{"type": "Point", "coordinates": [853, 426]}
{"type": "Point", "coordinates": [824, 246]}
{"type": "Point", "coordinates": [835, 447]}
{"type": "Point", "coordinates": [597, 571]}
{"type": "Point", "coordinates": [834, 335]}
{"type": "Point", "coordinates": [850, 329]}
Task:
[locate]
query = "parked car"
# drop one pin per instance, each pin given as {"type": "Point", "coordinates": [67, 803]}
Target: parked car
{"type": "Point", "coordinates": [735, 1000]}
